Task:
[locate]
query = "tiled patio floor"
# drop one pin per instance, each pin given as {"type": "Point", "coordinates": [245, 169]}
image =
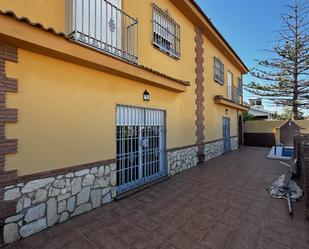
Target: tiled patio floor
{"type": "Point", "coordinates": [221, 204]}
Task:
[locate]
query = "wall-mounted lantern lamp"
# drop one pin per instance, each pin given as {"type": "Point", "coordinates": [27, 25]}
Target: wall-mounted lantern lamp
{"type": "Point", "coordinates": [226, 111]}
{"type": "Point", "coordinates": [146, 96]}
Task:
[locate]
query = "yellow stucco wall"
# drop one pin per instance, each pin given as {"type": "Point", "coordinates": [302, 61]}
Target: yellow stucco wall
{"type": "Point", "coordinates": [67, 113]}
{"type": "Point", "coordinates": [184, 68]}
{"type": "Point", "coordinates": [49, 13]}
{"type": "Point", "coordinates": [259, 126]}
{"type": "Point", "coordinates": [214, 112]}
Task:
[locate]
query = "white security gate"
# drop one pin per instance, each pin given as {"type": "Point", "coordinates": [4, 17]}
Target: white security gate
{"type": "Point", "coordinates": [141, 148]}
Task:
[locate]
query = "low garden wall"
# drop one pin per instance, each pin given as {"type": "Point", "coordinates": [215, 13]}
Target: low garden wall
{"type": "Point", "coordinates": [267, 133]}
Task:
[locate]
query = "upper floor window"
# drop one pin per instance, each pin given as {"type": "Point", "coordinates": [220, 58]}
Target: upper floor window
{"type": "Point", "coordinates": [240, 86]}
{"type": "Point", "coordinates": [218, 70]}
{"type": "Point", "coordinates": [166, 32]}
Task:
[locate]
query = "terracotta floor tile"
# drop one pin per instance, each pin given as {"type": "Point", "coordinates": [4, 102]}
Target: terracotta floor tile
{"type": "Point", "coordinates": [12, 246]}
{"type": "Point", "coordinates": [268, 244]}
{"type": "Point", "coordinates": [36, 241]}
{"type": "Point", "coordinates": [147, 224]}
{"type": "Point", "coordinates": [135, 217]}
{"type": "Point", "coordinates": [181, 241]}
{"type": "Point", "coordinates": [300, 243]}
{"type": "Point", "coordinates": [246, 237]}
{"type": "Point", "coordinates": [193, 232]}
{"type": "Point", "coordinates": [218, 237]}
{"type": "Point", "coordinates": [276, 232]}
{"type": "Point", "coordinates": [58, 229]}
{"type": "Point", "coordinates": [168, 246]}
{"type": "Point", "coordinates": [66, 239]}
{"type": "Point", "coordinates": [81, 244]}
{"type": "Point", "coordinates": [106, 240]}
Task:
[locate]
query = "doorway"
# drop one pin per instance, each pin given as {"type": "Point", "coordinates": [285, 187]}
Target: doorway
{"type": "Point", "coordinates": [226, 135]}
{"type": "Point", "coordinates": [141, 146]}
{"type": "Point", "coordinates": [240, 130]}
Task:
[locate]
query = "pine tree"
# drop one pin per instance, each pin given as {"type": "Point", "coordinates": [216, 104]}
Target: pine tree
{"type": "Point", "coordinates": [285, 75]}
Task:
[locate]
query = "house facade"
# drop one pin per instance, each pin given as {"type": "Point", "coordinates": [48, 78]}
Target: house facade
{"type": "Point", "coordinates": [100, 97]}
{"type": "Point", "coordinates": [257, 110]}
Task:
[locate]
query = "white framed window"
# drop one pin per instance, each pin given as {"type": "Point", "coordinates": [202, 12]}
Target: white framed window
{"type": "Point", "coordinates": [166, 32]}
{"type": "Point", "coordinates": [240, 86]}
{"type": "Point", "coordinates": [218, 70]}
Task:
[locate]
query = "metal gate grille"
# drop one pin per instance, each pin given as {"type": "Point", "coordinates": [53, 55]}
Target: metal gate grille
{"type": "Point", "coordinates": [140, 146]}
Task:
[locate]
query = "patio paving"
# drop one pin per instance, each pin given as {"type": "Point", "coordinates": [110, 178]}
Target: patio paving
{"type": "Point", "coordinates": [220, 204]}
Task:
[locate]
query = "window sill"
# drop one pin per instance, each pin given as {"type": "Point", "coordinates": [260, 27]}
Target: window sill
{"type": "Point", "coordinates": [165, 51]}
{"type": "Point", "coordinates": [219, 82]}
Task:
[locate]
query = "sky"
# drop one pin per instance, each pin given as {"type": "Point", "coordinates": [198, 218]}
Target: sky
{"type": "Point", "coordinates": [248, 26]}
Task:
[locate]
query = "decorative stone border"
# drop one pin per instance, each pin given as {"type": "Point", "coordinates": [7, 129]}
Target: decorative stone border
{"type": "Point", "coordinates": [234, 143]}
{"type": "Point", "coordinates": [199, 92]}
{"type": "Point", "coordinates": [182, 159]}
{"type": "Point", "coordinates": [7, 115]}
{"type": "Point", "coordinates": [215, 148]}
{"type": "Point", "coordinates": [44, 202]}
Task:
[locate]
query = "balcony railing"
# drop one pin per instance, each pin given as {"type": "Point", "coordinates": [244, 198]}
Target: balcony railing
{"type": "Point", "coordinates": [103, 26]}
{"type": "Point", "coordinates": [235, 94]}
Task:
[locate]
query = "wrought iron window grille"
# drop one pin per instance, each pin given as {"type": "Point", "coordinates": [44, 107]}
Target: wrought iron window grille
{"type": "Point", "coordinates": [166, 32]}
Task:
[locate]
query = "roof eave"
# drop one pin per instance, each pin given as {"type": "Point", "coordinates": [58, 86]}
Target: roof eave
{"type": "Point", "coordinates": [194, 13]}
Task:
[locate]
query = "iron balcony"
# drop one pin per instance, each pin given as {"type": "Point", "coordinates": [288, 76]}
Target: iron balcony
{"type": "Point", "coordinates": [101, 25]}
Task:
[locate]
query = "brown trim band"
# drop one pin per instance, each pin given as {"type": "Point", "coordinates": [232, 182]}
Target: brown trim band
{"type": "Point", "coordinates": [56, 172]}
{"type": "Point", "coordinates": [181, 148]}
{"type": "Point", "coordinates": [195, 145]}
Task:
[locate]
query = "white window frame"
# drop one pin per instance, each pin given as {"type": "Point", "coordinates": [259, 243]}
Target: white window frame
{"type": "Point", "coordinates": [166, 32]}
{"type": "Point", "coordinates": [230, 84]}
{"type": "Point", "coordinates": [218, 71]}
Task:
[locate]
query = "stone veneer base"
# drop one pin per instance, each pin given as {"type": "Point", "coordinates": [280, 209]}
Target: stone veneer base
{"type": "Point", "coordinates": [182, 159]}
{"type": "Point", "coordinates": [44, 202]}
{"type": "Point", "coordinates": [215, 148]}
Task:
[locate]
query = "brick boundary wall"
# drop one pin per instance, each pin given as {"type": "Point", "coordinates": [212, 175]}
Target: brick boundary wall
{"type": "Point", "coordinates": [7, 115]}
{"type": "Point", "coordinates": [199, 92]}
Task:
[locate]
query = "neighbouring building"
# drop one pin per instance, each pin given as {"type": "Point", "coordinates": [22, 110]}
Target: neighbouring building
{"type": "Point", "coordinates": [99, 97]}
{"type": "Point", "coordinates": [258, 111]}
